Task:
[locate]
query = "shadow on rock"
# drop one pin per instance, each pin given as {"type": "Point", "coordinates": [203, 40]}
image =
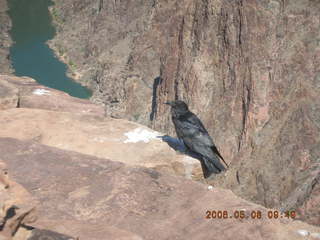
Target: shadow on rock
{"type": "Point", "coordinates": [179, 146]}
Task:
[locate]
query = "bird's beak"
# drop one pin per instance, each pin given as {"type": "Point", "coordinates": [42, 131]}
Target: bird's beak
{"type": "Point", "coordinates": [168, 103]}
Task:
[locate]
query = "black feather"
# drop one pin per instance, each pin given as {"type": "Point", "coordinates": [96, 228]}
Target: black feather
{"type": "Point", "coordinates": [190, 129]}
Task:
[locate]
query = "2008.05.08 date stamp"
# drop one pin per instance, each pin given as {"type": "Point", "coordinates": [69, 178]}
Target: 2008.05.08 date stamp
{"type": "Point", "coordinates": [254, 214]}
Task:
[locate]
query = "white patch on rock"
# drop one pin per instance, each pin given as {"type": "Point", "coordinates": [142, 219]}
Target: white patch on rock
{"type": "Point", "coordinates": [303, 233]}
{"type": "Point", "coordinates": [140, 134]}
{"type": "Point", "coordinates": [41, 91]}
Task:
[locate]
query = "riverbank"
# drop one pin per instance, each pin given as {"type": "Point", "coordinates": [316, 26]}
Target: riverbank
{"type": "Point", "coordinates": [5, 40]}
{"type": "Point", "coordinates": [108, 54]}
{"type": "Point", "coordinates": [75, 70]}
{"type": "Point", "coordinates": [30, 54]}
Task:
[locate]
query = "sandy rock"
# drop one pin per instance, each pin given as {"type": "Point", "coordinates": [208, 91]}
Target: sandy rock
{"type": "Point", "coordinates": [83, 192]}
{"type": "Point", "coordinates": [116, 139]}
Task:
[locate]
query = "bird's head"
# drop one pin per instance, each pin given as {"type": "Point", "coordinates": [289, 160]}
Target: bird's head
{"type": "Point", "coordinates": [178, 107]}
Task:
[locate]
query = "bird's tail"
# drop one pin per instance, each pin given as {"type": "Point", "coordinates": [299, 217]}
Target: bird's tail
{"type": "Point", "coordinates": [211, 166]}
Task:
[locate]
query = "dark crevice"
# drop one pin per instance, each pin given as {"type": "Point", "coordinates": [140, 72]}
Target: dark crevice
{"type": "Point", "coordinates": [206, 11]}
{"type": "Point", "coordinates": [176, 79]}
{"type": "Point", "coordinates": [246, 101]}
{"type": "Point", "coordinates": [18, 102]}
{"type": "Point", "coordinates": [240, 21]}
{"type": "Point", "coordinates": [240, 24]}
{"type": "Point", "coordinates": [154, 3]}
{"type": "Point", "coordinates": [195, 31]}
{"type": "Point", "coordinates": [157, 81]}
{"type": "Point", "coordinates": [9, 214]}
{"type": "Point", "coordinates": [180, 37]}
{"type": "Point", "coordinates": [100, 5]}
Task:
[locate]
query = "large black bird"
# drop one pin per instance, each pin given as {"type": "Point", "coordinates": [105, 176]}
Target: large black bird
{"type": "Point", "coordinates": [190, 129]}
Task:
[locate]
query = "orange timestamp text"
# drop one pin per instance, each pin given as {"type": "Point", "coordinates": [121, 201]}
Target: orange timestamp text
{"type": "Point", "coordinates": [254, 214]}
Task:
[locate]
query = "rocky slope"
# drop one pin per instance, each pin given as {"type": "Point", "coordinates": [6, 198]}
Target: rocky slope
{"type": "Point", "coordinates": [5, 40]}
{"type": "Point", "coordinates": [60, 188]}
{"type": "Point", "coordinates": [249, 69]}
{"type": "Point", "coordinates": [98, 199]}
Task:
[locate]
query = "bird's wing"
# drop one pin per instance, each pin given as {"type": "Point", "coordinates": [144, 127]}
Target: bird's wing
{"type": "Point", "coordinates": [196, 137]}
{"type": "Point", "coordinates": [215, 150]}
{"type": "Point", "coordinates": [192, 127]}
{"type": "Point", "coordinates": [176, 126]}
{"type": "Point", "coordinates": [200, 142]}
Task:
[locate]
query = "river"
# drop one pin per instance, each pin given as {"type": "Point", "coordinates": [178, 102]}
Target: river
{"type": "Point", "coordinates": [30, 55]}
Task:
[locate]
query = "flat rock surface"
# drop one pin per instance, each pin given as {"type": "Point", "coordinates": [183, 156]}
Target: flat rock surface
{"type": "Point", "coordinates": [116, 139]}
{"type": "Point", "coordinates": [78, 193]}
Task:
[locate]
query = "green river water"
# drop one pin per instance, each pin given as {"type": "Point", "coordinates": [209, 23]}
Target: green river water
{"type": "Point", "coordinates": [30, 55]}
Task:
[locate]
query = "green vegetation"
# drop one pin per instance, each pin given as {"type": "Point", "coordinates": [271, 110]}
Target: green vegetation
{"type": "Point", "coordinates": [56, 15]}
{"type": "Point", "coordinates": [136, 116]}
{"type": "Point", "coordinates": [72, 65]}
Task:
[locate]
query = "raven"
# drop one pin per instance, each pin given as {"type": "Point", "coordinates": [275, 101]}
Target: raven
{"type": "Point", "coordinates": [191, 131]}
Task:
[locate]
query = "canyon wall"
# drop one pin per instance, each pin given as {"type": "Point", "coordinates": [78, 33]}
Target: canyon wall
{"type": "Point", "coordinates": [104, 178]}
{"type": "Point", "coordinates": [5, 40]}
{"type": "Point", "coordinates": [249, 69]}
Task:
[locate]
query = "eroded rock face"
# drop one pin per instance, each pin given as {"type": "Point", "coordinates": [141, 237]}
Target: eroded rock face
{"type": "Point", "coordinates": [105, 42]}
{"type": "Point", "coordinates": [249, 69]}
{"type": "Point", "coordinates": [5, 40]}
{"type": "Point", "coordinates": [92, 197]}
